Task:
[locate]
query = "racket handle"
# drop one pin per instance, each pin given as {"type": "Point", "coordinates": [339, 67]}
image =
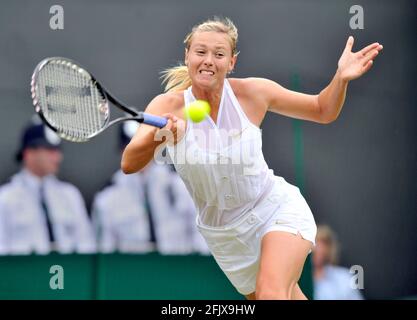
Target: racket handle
{"type": "Point", "coordinates": [155, 121]}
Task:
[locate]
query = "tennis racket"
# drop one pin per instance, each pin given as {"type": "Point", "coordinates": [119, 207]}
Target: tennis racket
{"type": "Point", "coordinates": [74, 104]}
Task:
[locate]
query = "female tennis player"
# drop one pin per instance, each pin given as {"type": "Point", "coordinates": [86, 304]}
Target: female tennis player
{"type": "Point", "coordinates": [258, 227]}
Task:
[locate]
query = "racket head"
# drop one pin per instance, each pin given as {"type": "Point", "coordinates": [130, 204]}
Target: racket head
{"type": "Point", "coordinates": [69, 99]}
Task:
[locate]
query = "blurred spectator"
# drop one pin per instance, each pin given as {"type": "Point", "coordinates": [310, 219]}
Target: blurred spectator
{"type": "Point", "coordinates": [38, 212]}
{"type": "Point", "coordinates": [331, 282]}
{"type": "Point", "coordinates": [146, 211]}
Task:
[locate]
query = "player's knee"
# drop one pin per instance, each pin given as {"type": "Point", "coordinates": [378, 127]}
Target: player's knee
{"type": "Point", "coordinates": [268, 292]}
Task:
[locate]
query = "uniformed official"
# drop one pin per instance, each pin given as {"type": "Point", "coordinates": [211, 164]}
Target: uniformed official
{"type": "Point", "coordinates": [38, 212]}
{"type": "Point", "coordinates": [147, 211]}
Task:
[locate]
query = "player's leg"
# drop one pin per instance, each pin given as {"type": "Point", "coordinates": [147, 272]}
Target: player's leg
{"type": "Point", "coordinates": [297, 294]}
{"type": "Point", "coordinates": [282, 259]}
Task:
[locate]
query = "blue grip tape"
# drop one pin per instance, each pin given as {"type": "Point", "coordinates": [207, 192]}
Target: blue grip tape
{"type": "Point", "coordinates": [155, 121]}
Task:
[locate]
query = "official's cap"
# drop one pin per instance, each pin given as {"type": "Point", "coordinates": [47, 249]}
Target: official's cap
{"type": "Point", "coordinates": [36, 135]}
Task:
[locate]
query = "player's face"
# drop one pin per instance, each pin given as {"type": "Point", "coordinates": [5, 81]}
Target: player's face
{"type": "Point", "coordinates": [44, 161]}
{"type": "Point", "coordinates": [209, 58]}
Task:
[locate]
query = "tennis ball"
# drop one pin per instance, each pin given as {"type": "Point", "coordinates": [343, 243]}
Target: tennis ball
{"type": "Point", "coordinates": [197, 110]}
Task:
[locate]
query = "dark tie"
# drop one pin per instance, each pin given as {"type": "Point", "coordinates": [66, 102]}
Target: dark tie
{"type": "Point", "coordinates": [149, 210]}
{"type": "Point", "coordinates": [170, 195]}
{"type": "Point", "coordinates": [46, 212]}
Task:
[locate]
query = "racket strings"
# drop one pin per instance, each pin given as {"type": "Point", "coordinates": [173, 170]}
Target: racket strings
{"type": "Point", "coordinates": [70, 100]}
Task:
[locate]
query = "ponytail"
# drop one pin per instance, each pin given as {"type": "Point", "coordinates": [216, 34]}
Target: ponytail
{"type": "Point", "coordinates": [176, 78]}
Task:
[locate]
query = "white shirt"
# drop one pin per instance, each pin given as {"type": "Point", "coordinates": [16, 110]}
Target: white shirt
{"type": "Point", "coordinates": [222, 164]}
{"type": "Point", "coordinates": [23, 227]}
{"type": "Point", "coordinates": [336, 285]}
{"type": "Point", "coordinates": [121, 220]}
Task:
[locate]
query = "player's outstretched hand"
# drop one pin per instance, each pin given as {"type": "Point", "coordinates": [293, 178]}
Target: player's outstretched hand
{"type": "Point", "coordinates": [352, 65]}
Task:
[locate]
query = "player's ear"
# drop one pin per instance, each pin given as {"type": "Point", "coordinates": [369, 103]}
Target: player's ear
{"type": "Point", "coordinates": [232, 63]}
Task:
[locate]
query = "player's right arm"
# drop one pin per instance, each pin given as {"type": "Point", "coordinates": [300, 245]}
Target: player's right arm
{"type": "Point", "coordinates": [141, 147]}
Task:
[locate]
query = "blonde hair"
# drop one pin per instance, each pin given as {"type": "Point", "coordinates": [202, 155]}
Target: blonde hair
{"type": "Point", "coordinates": [327, 235]}
{"type": "Point", "coordinates": [177, 78]}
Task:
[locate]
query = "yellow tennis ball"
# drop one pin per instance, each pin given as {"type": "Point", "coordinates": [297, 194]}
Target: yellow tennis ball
{"type": "Point", "coordinates": [197, 110]}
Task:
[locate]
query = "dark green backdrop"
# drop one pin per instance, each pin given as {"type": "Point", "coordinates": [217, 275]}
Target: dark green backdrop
{"type": "Point", "coordinates": [121, 276]}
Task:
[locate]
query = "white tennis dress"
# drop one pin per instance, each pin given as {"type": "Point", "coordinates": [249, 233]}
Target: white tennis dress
{"type": "Point", "coordinates": [238, 198]}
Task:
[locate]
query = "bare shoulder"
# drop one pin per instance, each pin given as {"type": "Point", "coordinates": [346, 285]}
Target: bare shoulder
{"type": "Point", "coordinates": [247, 86]}
{"type": "Point", "coordinates": [251, 96]}
{"type": "Point", "coordinates": [254, 89]}
{"type": "Point", "coordinates": [169, 102]}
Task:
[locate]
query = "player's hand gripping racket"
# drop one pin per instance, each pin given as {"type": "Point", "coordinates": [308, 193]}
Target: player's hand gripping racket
{"type": "Point", "coordinates": [73, 104]}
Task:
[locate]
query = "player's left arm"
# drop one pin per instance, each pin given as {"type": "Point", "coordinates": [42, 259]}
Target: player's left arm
{"type": "Point", "coordinates": [324, 107]}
